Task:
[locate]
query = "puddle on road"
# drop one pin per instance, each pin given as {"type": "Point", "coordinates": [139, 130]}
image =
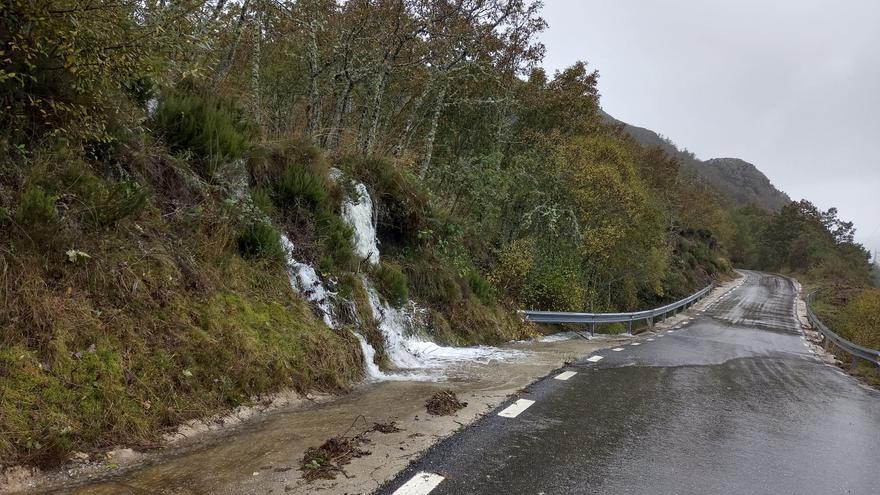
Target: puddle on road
{"type": "Point", "coordinates": [263, 456]}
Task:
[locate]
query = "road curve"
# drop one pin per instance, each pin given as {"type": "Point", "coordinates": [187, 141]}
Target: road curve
{"type": "Point", "coordinates": [733, 402]}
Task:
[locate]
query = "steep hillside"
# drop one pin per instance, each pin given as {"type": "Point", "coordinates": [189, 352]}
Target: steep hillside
{"type": "Point", "coordinates": [739, 181]}
{"type": "Point", "coordinates": [743, 183]}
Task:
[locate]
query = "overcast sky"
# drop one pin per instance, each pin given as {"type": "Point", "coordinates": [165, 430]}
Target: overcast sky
{"type": "Point", "coordinates": [792, 86]}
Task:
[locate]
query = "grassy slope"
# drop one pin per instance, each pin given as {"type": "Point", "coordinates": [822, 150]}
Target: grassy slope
{"type": "Point", "coordinates": [161, 322]}
{"type": "Point", "coordinates": [853, 313]}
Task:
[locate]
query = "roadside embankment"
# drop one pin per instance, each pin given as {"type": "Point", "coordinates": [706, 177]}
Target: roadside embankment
{"type": "Point", "coordinates": [262, 454]}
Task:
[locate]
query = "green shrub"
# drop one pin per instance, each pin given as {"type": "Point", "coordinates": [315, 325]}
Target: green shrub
{"type": "Point", "coordinates": [263, 200]}
{"type": "Point", "coordinates": [102, 203]}
{"type": "Point", "coordinates": [268, 162]}
{"type": "Point", "coordinates": [36, 208]}
{"type": "Point", "coordinates": [480, 287]}
{"type": "Point", "coordinates": [260, 240]}
{"type": "Point", "coordinates": [334, 236]}
{"type": "Point", "coordinates": [212, 129]}
{"type": "Point", "coordinates": [555, 284]}
{"type": "Point", "coordinates": [860, 319]}
{"type": "Point", "coordinates": [434, 283]}
{"type": "Point", "coordinates": [300, 184]}
{"type": "Point", "coordinates": [392, 283]}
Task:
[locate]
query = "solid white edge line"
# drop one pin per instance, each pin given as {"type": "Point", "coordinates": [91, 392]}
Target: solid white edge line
{"type": "Point", "coordinates": [420, 484]}
{"type": "Point", "coordinates": [565, 375]}
{"type": "Point", "coordinates": [594, 359]}
{"type": "Point", "coordinates": [516, 408]}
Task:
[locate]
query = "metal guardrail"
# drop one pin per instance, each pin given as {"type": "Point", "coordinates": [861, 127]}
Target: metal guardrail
{"type": "Point", "coordinates": [854, 350]}
{"type": "Point", "coordinates": [557, 318]}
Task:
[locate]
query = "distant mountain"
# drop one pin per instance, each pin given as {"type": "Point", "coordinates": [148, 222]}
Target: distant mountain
{"type": "Point", "coordinates": [740, 181]}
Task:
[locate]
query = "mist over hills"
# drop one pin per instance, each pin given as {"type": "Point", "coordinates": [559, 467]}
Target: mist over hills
{"type": "Point", "coordinates": [741, 182]}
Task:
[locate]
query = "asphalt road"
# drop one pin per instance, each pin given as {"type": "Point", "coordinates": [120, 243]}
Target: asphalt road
{"type": "Point", "coordinates": [733, 402]}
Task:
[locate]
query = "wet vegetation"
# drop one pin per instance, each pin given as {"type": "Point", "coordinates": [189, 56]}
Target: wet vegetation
{"type": "Point", "coordinates": [152, 155]}
{"type": "Point", "coordinates": [854, 314]}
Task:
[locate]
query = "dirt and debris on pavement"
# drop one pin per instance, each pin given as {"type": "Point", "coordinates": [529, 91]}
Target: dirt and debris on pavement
{"type": "Point", "coordinates": [326, 461]}
{"type": "Point", "coordinates": [386, 427]}
{"type": "Point", "coordinates": [444, 403]}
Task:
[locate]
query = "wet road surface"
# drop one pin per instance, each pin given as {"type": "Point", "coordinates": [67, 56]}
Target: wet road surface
{"type": "Point", "coordinates": [733, 402]}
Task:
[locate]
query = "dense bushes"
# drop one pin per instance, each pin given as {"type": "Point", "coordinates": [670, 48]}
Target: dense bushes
{"type": "Point", "coordinates": [301, 184]}
{"type": "Point", "coordinates": [854, 314]}
{"type": "Point", "coordinates": [36, 214]}
{"type": "Point", "coordinates": [859, 319]}
{"type": "Point", "coordinates": [102, 203]}
{"type": "Point", "coordinates": [290, 182]}
{"type": "Point", "coordinates": [261, 240]}
{"type": "Point", "coordinates": [213, 129]}
{"type": "Point", "coordinates": [62, 204]}
{"type": "Point", "coordinates": [803, 240]}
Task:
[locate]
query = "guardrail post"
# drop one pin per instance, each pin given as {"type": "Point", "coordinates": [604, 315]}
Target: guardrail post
{"type": "Point", "coordinates": [629, 326]}
{"type": "Point", "coordinates": [592, 329]}
{"type": "Point", "coordinates": [854, 363]}
{"type": "Point", "coordinates": [651, 323]}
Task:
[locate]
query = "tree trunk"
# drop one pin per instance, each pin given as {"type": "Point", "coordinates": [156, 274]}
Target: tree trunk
{"type": "Point", "coordinates": [432, 132]}
{"type": "Point", "coordinates": [332, 139]}
{"type": "Point", "coordinates": [313, 111]}
{"type": "Point", "coordinates": [255, 64]}
{"type": "Point", "coordinates": [226, 63]}
{"type": "Point", "coordinates": [410, 125]}
{"type": "Point", "coordinates": [375, 110]}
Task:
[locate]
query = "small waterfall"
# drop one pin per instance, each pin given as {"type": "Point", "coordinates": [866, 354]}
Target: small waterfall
{"type": "Point", "coordinates": [407, 350]}
{"type": "Point", "coordinates": [305, 280]}
{"type": "Point", "coordinates": [359, 215]}
{"type": "Point", "coordinates": [402, 329]}
{"type": "Point", "coordinates": [370, 367]}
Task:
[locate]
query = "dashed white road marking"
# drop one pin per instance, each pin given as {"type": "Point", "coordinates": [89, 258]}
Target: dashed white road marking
{"type": "Point", "coordinates": [594, 359]}
{"type": "Point", "coordinates": [617, 349]}
{"type": "Point", "coordinates": [806, 345]}
{"type": "Point", "coordinates": [516, 408]}
{"type": "Point", "coordinates": [420, 484]}
{"type": "Point", "coordinates": [565, 375]}
{"type": "Point", "coordinates": [650, 340]}
{"type": "Point", "coordinates": [635, 343]}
